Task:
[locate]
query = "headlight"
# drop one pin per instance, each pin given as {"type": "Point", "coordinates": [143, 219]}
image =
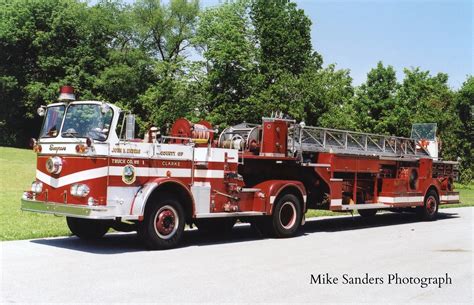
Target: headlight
{"type": "Point", "coordinates": [54, 165]}
{"type": "Point", "coordinates": [79, 190]}
{"type": "Point", "coordinates": [26, 196]}
{"type": "Point", "coordinates": [37, 187]}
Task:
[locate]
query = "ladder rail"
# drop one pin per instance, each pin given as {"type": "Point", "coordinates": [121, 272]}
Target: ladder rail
{"type": "Point", "coordinates": [317, 139]}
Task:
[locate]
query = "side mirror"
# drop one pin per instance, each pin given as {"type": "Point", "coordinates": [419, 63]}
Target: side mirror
{"type": "Point", "coordinates": [41, 111]}
{"type": "Point", "coordinates": [129, 127]}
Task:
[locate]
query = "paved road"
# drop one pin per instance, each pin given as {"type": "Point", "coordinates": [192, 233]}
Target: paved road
{"type": "Point", "coordinates": [244, 268]}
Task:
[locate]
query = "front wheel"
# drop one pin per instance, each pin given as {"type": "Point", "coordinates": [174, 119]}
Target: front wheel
{"type": "Point", "coordinates": [429, 211]}
{"type": "Point", "coordinates": [287, 216]}
{"type": "Point", "coordinates": [163, 225]}
{"type": "Point", "coordinates": [87, 228]}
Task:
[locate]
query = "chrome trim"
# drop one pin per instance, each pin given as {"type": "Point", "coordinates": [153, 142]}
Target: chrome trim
{"type": "Point", "coordinates": [229, 214]}
{"type": "Point", "coordinates": [80, 211]}
{"type": "Point", "coordinates": [368, 206]}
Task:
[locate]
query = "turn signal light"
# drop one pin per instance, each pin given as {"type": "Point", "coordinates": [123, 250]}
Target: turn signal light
{"type": "Point", "coordinates": [27, 196]}
{"type": "Point", "coordinates": [37, 148]}
{"type": "Point", "coordinates": [80, 148]}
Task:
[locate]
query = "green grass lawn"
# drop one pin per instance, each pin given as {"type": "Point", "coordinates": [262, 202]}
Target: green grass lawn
{"type": "Point", "coordinates": [18, 166]}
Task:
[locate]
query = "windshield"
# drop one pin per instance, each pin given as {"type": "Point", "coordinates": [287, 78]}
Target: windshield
{"type": "Point", "coordinates": [424, 131]}
{"type": "Point", "coordinates": [87, 120]}
{"type": "Point", "coordinates": [52, 121]}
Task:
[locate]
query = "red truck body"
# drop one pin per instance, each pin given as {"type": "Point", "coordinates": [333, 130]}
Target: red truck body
{"type": "Point", "coordinates": [91, 169]}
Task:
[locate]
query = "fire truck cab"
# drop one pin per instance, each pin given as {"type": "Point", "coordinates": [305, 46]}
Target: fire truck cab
{"type": "Point", "coordinates": [92, 169]}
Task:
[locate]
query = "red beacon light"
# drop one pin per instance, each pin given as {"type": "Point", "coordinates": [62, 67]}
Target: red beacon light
{"type": "Point", "coordinates": [66, 93]}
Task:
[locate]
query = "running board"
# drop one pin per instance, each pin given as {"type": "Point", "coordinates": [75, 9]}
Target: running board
{"type": "Point", "coordinates": [230, 214]}
{"type": "Point", "coordinates": [366, 206]}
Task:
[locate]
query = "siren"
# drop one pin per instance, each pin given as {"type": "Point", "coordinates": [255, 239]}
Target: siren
{"type": "Point", "coordinates": [66, 93]}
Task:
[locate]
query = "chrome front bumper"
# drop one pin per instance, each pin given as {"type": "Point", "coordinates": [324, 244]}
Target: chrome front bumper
{"type": "Point", "coordinates": [73, 210]}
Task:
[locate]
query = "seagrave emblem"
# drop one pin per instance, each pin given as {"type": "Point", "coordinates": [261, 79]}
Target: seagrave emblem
{"type": "Point", "coordinates": [129, 175]}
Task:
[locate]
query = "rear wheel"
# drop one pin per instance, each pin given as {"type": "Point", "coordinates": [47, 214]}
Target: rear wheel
{"type": "Point", "coordinates": [87, 228]}
{"type": "Point", "coordinates": [163, 225]}
{"type": "Point", "coordinates": [287, 216]}
{"type": "Point", "coordinates": [429, 211]}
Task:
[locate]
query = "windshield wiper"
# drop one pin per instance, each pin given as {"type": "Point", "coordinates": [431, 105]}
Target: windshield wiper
{"type": "Point", "coordinates": [69, 133]}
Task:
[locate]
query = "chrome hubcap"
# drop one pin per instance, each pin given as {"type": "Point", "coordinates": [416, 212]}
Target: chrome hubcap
{"type": "Point", "coordinates": [166, 222]}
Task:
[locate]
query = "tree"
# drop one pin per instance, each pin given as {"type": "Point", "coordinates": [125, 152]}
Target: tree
{"type": "Point", "coordinates": [465, 133]}
{"type": "Point", "coordinates": [329, 104]}
{"type": "Point", "coordinates": [259, 60]}
{"type": "Point", "coordinates": [226, 39]}
{"type": "Point", "coordinates": [423, 98]}
{"type": "Point", "coordinates": [375, 101]}
{"type": "Point", "coordinates": [165, 30]}
{"type": "Point", "coordinates": [315, 97]}
{"type": "Point", "coordinates": [45, 44]}
{"type": "Point", "coordinates": [172, 96]}
{"type": "Point", "coordinates": [283, 33]}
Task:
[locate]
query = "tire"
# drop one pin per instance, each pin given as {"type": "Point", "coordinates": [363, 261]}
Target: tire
{"type": "Point", "coordinates": [367, 213]}
{"type": "Point", "coordinates": [287, 216]}
{"type": "Point", "coordinates": [429, 210]}
{"type": "Point", "coordinates": [216, 225]}
{"type": "Point", "coordinates": [87, 228]}
{"type": "Point", "coordinates": [163, 225]}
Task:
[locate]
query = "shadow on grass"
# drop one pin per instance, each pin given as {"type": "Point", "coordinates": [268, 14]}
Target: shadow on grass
{"type": "Point", "coordinates": [115, 243]}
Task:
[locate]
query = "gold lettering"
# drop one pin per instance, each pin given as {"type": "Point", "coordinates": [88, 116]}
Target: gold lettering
{"type": "Point", "coordinates": [123, 150]}
{"type": "Point", "coordinates": [57, 148]}
{"type": "Point", "coordinates": [167, 153]}
{"type": "Point", "coordinates": [170, 163]}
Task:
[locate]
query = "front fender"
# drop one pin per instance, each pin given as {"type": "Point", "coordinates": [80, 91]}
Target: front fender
{"type": "Point", "coordinates": [144, 193]}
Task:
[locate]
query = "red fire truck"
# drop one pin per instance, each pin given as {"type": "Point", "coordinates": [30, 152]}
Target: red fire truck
{"type": "Point", "coordinates": [92, 169]}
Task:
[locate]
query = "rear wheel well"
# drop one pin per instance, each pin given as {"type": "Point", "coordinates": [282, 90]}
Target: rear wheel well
{"type": "Point", "coordinates": [291, 189]}
{"type": "Point", "coordinates": [434, 189]}
{"type": "Point", "coordinates": [176, 191]}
